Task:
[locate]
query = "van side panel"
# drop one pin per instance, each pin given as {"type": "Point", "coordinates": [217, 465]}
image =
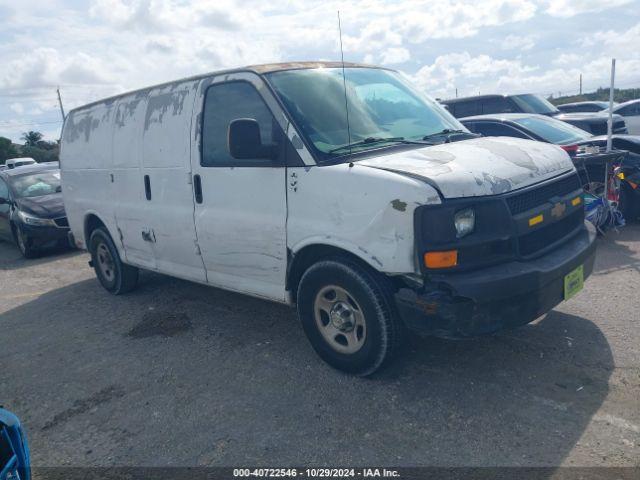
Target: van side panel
{"type": "Point", "coordinates": [132, 209]}
{"type": "Point", "coordinates": [166, 150]}
{"type": "Point", "coordinates": [366, 211]}
{"type": "Point", "coordinates": [86, 161]}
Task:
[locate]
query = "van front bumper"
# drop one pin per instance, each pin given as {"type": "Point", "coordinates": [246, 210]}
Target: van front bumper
{"type": "Point", "coordinates": [457, 305]}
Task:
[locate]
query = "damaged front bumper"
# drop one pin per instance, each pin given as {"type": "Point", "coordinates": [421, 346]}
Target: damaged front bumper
{"type": "Point", "coordinates": [457, 305]}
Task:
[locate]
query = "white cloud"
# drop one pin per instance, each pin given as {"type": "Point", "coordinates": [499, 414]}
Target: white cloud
{"type": "Point", "coordinates": [17, 107]}
{"type": "Point", "coordinates": [519, 42]}
{"type": "Point", "coordinates": [571, 8]}
{"type": "Point", "coordinates": [394, 56]}
{"type": "Point", "coordinates": [110, 46]}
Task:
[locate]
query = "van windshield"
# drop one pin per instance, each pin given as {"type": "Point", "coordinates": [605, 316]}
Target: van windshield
{"type": "Point", "coordinates": [383, 109]}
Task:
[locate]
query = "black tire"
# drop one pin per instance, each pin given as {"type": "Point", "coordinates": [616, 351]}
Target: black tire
{"type": "Point", "coordinates": [116, 277]}
{"type": "Point", "coordinates": [24, 243]}
{"type": "Point", "coordinates": [371, 294]}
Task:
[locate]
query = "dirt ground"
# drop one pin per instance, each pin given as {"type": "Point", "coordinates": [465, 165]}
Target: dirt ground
{"type": "Point", "coordinates": [181, 374]}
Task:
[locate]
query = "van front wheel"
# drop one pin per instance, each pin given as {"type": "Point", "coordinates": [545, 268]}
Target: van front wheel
{"type": "Point", "coordinates": [348, 315]}
{"type": "Point", "coordinates": [115, 276]}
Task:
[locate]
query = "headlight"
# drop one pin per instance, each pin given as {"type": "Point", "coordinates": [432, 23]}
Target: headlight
{"type": "Point", "coordinates": [35, 221]}
{"type": "Point", "coordinates": [465, 222]}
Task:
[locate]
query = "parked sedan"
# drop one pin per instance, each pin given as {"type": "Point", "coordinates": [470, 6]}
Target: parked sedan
{"type": "Point", "coordinates": [586, 149]}
{"type": "Point", "coordinates": [31, 209]}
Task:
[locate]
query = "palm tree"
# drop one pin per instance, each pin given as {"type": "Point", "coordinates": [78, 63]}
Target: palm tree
{"type": "Point", "coordinates": [31, 138]}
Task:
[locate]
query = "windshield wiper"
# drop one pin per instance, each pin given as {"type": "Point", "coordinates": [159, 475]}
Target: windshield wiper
{"type": "Point", "coordinates": [376, 140]}
{"type": "Point", "coordinates": [448, 133]}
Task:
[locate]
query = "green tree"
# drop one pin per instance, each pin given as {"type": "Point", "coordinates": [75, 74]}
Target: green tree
{"type": "Point", "coordinates": [7, 150]}
{"type": "Point", "coordinates": [31, 138]}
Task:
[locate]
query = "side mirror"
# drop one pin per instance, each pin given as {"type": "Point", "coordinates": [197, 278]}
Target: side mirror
{"type": "Point", "coordinates": [4, 201]}
{"type": "Point", "coordinates": [244, 141]}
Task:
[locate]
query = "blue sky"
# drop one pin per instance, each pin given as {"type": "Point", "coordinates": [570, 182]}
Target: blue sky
{"type": "Point", "coordinates": [92, 49]}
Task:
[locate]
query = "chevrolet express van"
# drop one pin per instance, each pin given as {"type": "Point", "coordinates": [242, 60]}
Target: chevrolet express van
{"type": "Point", "coordinates": [357, 199]}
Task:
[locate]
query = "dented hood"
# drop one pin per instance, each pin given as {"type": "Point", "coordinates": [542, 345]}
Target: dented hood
{"type": "Point", "coordinates": [481, 166]}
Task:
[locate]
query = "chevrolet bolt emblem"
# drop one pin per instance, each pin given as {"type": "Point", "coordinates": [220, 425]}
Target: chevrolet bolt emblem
{"type": "Point", "coordinates": [558, 210]}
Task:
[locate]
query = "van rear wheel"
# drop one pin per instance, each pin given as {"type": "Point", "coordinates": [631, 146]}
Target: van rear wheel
{"type": "Point", "coordinates": [116, 277]}
{"type": "Point", "coordinates": [348, 316]}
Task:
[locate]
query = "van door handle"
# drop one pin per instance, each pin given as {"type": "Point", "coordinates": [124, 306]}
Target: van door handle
{"type": "Point", "coordinates": [147, 187]}
{"type": "Point", "coordinates": [197, 188]}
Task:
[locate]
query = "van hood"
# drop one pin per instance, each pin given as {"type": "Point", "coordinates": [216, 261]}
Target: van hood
{"type": "Point", "coordinates": [478, 167]}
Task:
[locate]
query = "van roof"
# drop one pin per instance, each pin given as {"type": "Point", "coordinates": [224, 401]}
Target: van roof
{"type": "Point", "coordinates": [259, 69]}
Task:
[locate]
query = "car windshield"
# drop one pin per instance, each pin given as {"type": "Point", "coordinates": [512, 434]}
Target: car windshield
{"type": "Point", "coordinates": [552, 130]}
{"type": "Point", "coordinates": [36, 184]}
{"type": "Point", "coordinates": [383, 109]}
{"type": "Point", "coordinates": [530, 103]}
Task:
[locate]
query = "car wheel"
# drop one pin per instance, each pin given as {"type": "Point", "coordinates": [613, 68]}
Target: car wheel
{"type": "Point", "coordinates": [348, 316]}
{"type": "Point", "coordinates": [24, 243]}
{"type": "Point", "coordinates": [116, 277]}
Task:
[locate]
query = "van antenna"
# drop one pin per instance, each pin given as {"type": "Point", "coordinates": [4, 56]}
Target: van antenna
{"type": "Point", "coordinates": [344, 83]}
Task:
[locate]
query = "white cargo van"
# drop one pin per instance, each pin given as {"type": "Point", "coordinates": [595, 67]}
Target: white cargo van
{"type": "Point", "coordinates": [392, 218]}
{"type": "Point", "coordinates": [19, 162]}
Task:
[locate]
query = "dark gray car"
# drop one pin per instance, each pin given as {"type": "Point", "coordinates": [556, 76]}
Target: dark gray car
{"type": "Point", "coordinates": [31, 208]}
{"type": "Point", "coordinates": [594, 123]}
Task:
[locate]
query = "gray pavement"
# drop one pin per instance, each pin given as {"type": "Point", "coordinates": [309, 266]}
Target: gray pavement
{"type": "Point", "coordinates": [180, 374]}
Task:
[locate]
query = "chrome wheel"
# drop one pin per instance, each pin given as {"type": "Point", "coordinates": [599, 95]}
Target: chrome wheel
{"type": "Point", "coordinates": [105, 262]}
{"type": "Point", "coordinates": [340, 319]}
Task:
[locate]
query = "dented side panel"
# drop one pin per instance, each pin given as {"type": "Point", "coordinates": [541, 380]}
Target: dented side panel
{"type": "Point", "coordinates": [166, 151]}
{"type": "Point", "coordinates": [365, 211]}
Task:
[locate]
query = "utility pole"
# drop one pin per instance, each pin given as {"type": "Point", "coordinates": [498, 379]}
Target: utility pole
{"type": "Point", "coordinates": [456, 92]}
{"type": "Point", "coordinates": [580, 84]}
{"type": "Point", "coordinates": [60, 103]}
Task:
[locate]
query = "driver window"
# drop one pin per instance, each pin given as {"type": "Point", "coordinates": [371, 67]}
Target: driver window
{"type": "Point", "coordinates": [224, 103]}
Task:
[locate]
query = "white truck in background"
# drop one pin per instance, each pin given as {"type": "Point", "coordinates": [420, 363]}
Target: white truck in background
{"type": "Point", "coordinates": [391, 218]}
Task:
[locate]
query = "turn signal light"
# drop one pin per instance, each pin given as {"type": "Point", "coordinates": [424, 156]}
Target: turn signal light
{"type": "Point", "coordinates": [570, 149]}
{"type": "Point", "coordinates": [444, 259]}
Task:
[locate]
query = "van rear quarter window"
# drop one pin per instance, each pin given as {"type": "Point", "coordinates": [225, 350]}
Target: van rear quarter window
{"type": "Point", "coordinates": [224, 103]}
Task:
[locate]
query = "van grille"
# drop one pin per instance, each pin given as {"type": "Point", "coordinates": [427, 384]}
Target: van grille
{"type": "Point", "coordinates": [546, 236]}
{"type": "Point", "coordinates": [532, 198]}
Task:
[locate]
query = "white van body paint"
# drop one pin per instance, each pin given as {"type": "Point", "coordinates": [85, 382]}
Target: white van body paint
{"type": "Point", "coordinates": [255, 220]}
{"type": "Point", "coordinates": [480, 166]}
{"type": "Point", "coordinates": [365, 211]}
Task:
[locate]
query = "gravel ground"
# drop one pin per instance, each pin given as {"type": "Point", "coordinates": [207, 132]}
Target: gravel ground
{"type": "Point", "coordinates": [180, 374]}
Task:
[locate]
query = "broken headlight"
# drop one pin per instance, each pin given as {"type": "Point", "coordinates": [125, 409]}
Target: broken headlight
{"type": "Point", "coordinates": [465, 222]}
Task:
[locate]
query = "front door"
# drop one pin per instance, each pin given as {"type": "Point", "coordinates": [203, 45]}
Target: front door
{"type": "Point", "coordinates": [240, 205]}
